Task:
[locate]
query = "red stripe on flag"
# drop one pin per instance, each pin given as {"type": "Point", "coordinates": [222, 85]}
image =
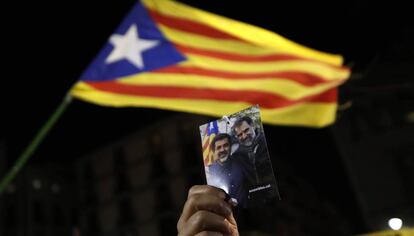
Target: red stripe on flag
{"type": "Point", "coordinates": [303, 78]}
{"type": "Point", "coordinates": [238, 57]}
{"type": "Point", "coordinates": [189, 26]}
{"type": "Point", "coordinates": [264, 99]}
{"type": "Point", "coordinates": [207, 143]}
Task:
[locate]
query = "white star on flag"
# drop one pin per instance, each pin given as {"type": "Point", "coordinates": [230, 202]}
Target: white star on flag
{"type": "Point", "coordinates": [129, 47]}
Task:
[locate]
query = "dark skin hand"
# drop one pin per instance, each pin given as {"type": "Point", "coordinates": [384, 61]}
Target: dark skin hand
{"type": "Point", "coordinates": [205, 213]}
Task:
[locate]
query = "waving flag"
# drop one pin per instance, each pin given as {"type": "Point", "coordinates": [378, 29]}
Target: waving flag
{"type": "Point", "coordinates": [209, 134]}
{"type": "Point", "coordinates": [168, 55]}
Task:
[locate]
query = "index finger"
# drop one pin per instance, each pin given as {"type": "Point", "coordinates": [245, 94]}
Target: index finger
{"type": "Point", "coordinates": [206, 189]}
{"type": "Point", "coordinates": [203, 197]}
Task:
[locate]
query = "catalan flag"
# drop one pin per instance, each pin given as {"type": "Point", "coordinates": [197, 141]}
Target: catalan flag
{"type": "Point", "coordinates": [168, 55]}
{"type": "Point", "coordinates": [209, 133]}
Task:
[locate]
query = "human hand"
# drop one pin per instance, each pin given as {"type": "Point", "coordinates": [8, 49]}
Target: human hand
{"type": "Point", "coordinates": [206, 213]}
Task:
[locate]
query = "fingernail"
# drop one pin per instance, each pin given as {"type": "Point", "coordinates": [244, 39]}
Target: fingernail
{"type": "Point", "coordinates": [233, 202]}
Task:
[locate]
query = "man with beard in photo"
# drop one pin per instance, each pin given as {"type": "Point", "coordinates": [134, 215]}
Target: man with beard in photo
{"type": "Point", "coordinates": [225, 172]}
{"type": "Point", "coordinates": [253, 156]}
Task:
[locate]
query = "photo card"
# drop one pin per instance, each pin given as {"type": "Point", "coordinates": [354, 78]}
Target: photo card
{"type": "Point", "coordinates": [236, 158]}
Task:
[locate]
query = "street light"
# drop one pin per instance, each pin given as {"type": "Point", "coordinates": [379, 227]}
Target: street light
{"type": "Point", "coordinates": [395, 223]}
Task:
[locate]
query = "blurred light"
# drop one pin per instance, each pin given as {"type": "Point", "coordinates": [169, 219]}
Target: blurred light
{"type": "Point", "coordinates": [11, 188]}
{"type": "Point", "coordinates": [37, 184]}
{"type": "Point", "coordinates": [395, 223]}
{"type": "Point", "coordinates": [55, 188]}
{"type": "Point", "coordinates": [410, 117]}
{"type": "Point", "coordinates": [345, 106]}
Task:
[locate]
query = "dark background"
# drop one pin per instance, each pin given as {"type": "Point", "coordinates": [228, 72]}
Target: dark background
{"type": "Point", "coordinates": [48, 45]}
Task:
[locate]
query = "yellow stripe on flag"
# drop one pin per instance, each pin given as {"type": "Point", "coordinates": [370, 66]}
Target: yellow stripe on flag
{"type": "Point", "coordinates": [315, 68]}
{"type": "Point", "coordinates": [283, 87]}
{"type": "Point", "coordinates": [219, 45]}
{"type": "Point", "coordinates": [401, 232]}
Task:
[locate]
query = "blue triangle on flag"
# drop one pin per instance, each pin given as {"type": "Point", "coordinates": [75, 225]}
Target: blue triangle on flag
{"type": "Point", "coordinates": [163, 54]}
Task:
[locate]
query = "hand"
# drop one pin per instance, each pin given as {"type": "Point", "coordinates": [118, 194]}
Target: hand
{"type": "Point", "coordinates": [205, 213]}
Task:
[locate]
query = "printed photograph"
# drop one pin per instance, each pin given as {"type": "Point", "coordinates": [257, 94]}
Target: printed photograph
{"type": "Point", "coordinates": [236, 158]}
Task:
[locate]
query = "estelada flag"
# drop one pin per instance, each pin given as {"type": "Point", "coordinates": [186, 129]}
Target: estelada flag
{"type": "Point", "coordinates": [168, 55]}
{"type": "Point", "coordinates": [210, 132]}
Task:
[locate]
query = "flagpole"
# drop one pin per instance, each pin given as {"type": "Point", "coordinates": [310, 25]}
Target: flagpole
{"type": "Point", "coordinates": [28, 152]}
